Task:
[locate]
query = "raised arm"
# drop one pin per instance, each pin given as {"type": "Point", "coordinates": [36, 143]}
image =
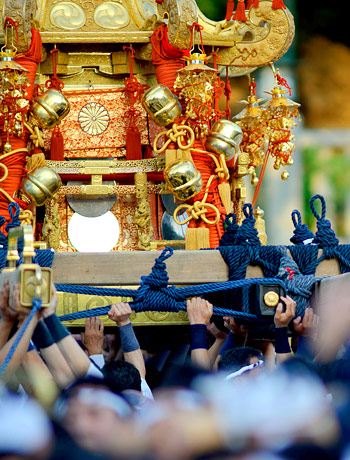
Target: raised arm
{"type": "Point", "coordinates": [8, 316]}
{"type": "Point", "coordinates": [199, 312]}
{"type": "Point", "coordinates": [120, 313]}
{"type": "Point", "coordinates": [282, 319]}
{"type": "Point", "coordinates": [23, 334]}
{"type": "Point", "coordinates": [78, 362]}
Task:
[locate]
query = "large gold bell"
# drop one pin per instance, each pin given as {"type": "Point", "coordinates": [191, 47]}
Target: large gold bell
{"type": "Point", "coordinates": [41, 185]}
{"type": "Point", "coordinates": [162, 105]}
{"type": "Point", "coordinates": [225, 138]}
{"type": "Point", "coordinates": [50, 108]}
{"type": "Point", "coordinates": [183, 179]}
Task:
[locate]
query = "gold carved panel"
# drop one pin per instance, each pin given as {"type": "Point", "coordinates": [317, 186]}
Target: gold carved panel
{"type": "Point", "coordinates": [72, 303]}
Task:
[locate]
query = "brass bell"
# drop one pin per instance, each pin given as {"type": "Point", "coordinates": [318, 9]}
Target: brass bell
{"type": "Point", "coordinates": [50, 108]}
{"type": "Point", "coordinates": [183, 179]}
{"type": "Point", "coordinates": [225, 138]}
{"type": "Point", "coordinates": [162, 105]}
{"type": "Point", "coordinates": [41, 185]}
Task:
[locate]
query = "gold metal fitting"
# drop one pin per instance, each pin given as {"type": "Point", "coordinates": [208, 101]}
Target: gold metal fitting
{"type": "Point", "coordinates": [271, 299]}
{"type": "Point", "coordinates": [183, 179]}
{"type": "Point", "coordinates": [225, 138]}
{"type": "Point", "coordinates": [41, 185]}
{"type": "Point", "coordinates": [50, 108]}
{"type": "Point", "coordinates": [35, 281]}
{"type": "Point", "coordinates": [161, 105]}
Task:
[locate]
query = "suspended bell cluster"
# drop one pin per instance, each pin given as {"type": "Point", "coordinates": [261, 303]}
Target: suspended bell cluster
{"type": "Point", "coordinates": [267, 128]}
{"type": "Point", "coordinates": [195, 84]}
{"type": "Point", "coordinates": [14, 84]}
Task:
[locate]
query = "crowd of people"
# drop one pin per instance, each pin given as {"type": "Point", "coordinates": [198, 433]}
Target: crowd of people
{"type": "Point", "coordinates": [220, 389]}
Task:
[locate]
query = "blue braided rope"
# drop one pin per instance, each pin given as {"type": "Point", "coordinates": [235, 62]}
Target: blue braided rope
{"type": "Point", "coordinates": [179, 293]}
{"type": "Point", "coordinates": [89, 290]}
{"type": "Point", "coordinates": [36, 307]}
{"type": "Point", "coordinates": [301, 231]}
{"type": "Point", "coordinates": [181, 306]}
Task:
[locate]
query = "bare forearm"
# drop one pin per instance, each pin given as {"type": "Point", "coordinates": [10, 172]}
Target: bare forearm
{"type": "Point", "coordinates": [57, 365]}
{"type": "Point", "coordinates": [21, 347]}
{"type": "Point", "coordinates": [214, 351]}
{"type": "Point", "coordinates": [136, 358]}
{"type": "Point", "coordinates": [74, 355]}
{"type": "Point", "coordinates": [5, 329]}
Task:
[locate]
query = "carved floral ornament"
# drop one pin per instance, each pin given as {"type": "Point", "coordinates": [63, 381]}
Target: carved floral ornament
{"type": "Point", "coordinates": [70, 15]}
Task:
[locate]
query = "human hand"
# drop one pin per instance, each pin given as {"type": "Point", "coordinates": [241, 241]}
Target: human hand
{"type": "Point", "coordinates": [199, 311]}
{"type": "Point", "coordinates": [7, 313]}
{"type": "Point", "coordinates": [120, 313]}
{"type": "Point", "coordinates": [92, 338]}
{"type": "Point", "coordinates": [309, 325]}
{"type": "Point", "coordinates": [51, 309]}
{"type": "Point", "coordinates": [216, 332]}
{"type": "Point", "coordinates": [283, 318]}
{"type": "Point", "coordinates": [231, 325]}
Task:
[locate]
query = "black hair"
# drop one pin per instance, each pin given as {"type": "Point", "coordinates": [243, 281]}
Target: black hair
{"type": "Point", "coordinates": [122, 375]}
{"type": "Point", "coordinates": [236, 358]}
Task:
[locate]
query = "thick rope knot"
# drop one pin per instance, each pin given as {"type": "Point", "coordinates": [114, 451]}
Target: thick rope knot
{"type": "Point", "coordinates": [177, 134]}
{"type": "Point", "coordinates": [154, 290]}
{"type": "Point", "coordinates": [325, 236]}
{"type": "Point", "coordinates": [287, 266]}
{"type": "Point", "coordinates": [302, 234]}
{"type": "Point", "coordinates": [231, 228]}
{"type": "Point", "coordinates": [158, 278]}
{"type": "Point", "coordinates": [298, 286]}
{"type": "Point", "coordinates": [247, 234]}
{"type": "Point", "coordinates": [14, 211]}
{"type": "Point", "coordinates": [197, 211]}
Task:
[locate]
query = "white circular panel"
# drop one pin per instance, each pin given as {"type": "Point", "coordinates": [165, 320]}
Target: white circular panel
{"type": "Point", "coordinates": [111, 15]}
{"type": "Point", "coordinates": [67, 15]}
{"type": "Point", "coordinates": [93, 234]}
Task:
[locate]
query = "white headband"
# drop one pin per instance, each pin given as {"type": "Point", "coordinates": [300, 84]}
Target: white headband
{"type": "Point", "coordinates": [244, 369]}
{"type": "Point", "coordinates": [104, 398]}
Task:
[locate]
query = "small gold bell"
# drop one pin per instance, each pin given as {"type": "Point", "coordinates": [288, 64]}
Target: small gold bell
{"type": "Point", "coordinates": [290, 161]}
{"type": "Point", "coordinates": [7, 147]}
{"type": "Point", "coordinates": [277, 164]}
{"type": "Point", "coordinates": [285, 175]}
{"type": "Point", "coordinates": [254, 181]}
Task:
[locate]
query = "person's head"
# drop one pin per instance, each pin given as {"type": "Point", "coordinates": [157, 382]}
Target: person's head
{"type": "Point", "coordinates": [122, 376]}
{"type": "Point", "coordinates": [26, 430]}
{"type": "Point", "coordinates": [91, 412]}
{"type": "Point", "coordinates": [240, 361]}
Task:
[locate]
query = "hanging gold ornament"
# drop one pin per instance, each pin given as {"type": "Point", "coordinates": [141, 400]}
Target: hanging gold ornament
{"type": "Point", "coordinates": [280, 114]}
{"type": "Point", "coordinates": [195, 85]}
{"type": "Point", "coordinates": [13, 86]}
{"type": "Point", "coordinates": [250, 119]}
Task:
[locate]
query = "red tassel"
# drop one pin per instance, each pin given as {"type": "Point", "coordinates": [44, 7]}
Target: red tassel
{"type": "Point", "coordinates": [229, 9]}
{"type": "Point", "coordinates": [252, 3]}
{"type": "Point", "coordinates": [277, 4]}
{"type": "Point", "coordinates": [240, 12]}
{"type": "Point", "coordinates": [57, 145]}
{"type": "Point", "coordinates": [148, 153]}
{"type": "Point", "coordinates": [133, 144]}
